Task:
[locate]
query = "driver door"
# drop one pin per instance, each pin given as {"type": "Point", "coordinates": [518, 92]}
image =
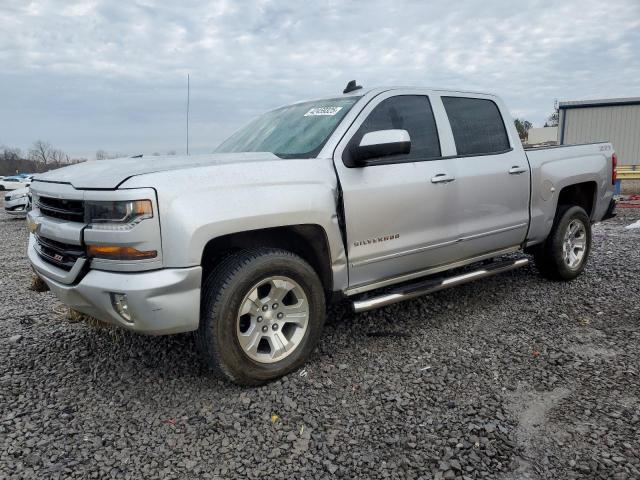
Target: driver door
{"type": "Point", "coordinates": [398, 208]}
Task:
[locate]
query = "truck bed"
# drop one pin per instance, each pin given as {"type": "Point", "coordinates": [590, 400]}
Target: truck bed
{"type": "Point", "coordinates": [554, 168]}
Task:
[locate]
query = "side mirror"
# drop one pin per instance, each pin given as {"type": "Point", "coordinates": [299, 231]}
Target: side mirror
{"type": "Point", "coordinates": [382, 143]}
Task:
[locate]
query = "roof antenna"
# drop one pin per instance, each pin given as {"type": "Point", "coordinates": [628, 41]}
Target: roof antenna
{"type": "Point", "coordinates": [351, 86]}
{"type": "Point", "coordinates": [187, 114]}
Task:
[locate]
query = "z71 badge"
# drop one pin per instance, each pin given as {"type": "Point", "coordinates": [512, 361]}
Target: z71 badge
{"type": "Point", "coordinates": [370, 241]}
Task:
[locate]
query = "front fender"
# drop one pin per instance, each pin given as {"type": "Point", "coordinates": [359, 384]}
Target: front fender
{"type": "Point", "coordinates": [216, 201]}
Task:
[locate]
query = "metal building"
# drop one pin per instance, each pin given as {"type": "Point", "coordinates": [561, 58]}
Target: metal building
{"type": "Point", "coordinates": [614, 120]}
{"type": "Point", "coordinates": [542, 136]}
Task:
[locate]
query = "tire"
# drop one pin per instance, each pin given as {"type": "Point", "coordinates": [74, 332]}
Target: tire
{"type": "Point", "coordinates": [264, 274]}
{"type": "Point", "coordinates": [552, 257]}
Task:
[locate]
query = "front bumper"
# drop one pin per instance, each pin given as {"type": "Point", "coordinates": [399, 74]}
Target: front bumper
{"type": "Point", "coordinates": [17, 208]}
{"type": "Point", "coordinates": [161, 301]}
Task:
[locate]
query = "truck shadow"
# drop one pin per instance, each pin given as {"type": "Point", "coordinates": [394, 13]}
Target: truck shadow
{"type": "Point", "coordinates": [108, 357]}
{"type": "Point", "coordinates": [354, 336]}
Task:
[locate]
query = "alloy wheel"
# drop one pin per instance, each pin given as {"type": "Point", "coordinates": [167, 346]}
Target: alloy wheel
{"type": "Point", "coordinates": [272, 319]}
{"type": "Point", "coordinates": [575, 244]}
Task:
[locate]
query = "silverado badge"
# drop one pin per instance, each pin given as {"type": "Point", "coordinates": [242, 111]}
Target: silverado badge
{"type": "Point", "coordinates": [369, 241]}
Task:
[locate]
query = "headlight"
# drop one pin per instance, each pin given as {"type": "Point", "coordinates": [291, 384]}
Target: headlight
{"type": "Point", "coordinates": [119, 215]}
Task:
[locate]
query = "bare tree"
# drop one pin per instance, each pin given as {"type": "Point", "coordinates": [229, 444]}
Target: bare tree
{"type": "Point", "coordinates": [41, 153]}
{"type": "Point", "coordinates": [8, 153]}
{"type": "Point", "coordinates": [58, 157]}
{"type": "Point", "coordinates": [12, 162]}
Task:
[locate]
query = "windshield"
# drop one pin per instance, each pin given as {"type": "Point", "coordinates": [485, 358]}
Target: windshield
{"type": "Point", "coordinates": [299, 130]}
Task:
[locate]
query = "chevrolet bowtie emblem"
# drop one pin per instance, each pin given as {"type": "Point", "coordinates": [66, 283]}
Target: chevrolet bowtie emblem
{"type": "Point", "coordinates": [32, 225]}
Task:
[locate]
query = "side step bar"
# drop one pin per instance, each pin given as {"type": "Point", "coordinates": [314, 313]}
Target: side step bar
{"type": "Point", "coordinates": [425, 287]}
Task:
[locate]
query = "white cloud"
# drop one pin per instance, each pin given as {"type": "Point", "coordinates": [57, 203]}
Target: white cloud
{"type": "Point", "coordinates": [100, 74]}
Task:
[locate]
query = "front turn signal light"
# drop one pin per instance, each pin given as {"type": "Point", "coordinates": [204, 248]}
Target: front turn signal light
{"type": "Point", "coordinates": [112, 252]}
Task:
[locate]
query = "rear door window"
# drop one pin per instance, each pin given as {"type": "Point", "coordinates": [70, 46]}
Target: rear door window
{"type": "Point", "coordinates": [477, 126]}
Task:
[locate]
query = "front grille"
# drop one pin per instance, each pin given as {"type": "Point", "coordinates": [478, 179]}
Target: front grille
{"type": "Point", "coordinates": [71, 210]}
{"type": "Point", "coordinates": [62, 255]}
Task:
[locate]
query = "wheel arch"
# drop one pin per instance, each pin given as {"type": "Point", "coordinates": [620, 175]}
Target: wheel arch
{"type": "Point", "coordinates": [309, 241]}
{"type": "Point", "coordinates": [582, 194]}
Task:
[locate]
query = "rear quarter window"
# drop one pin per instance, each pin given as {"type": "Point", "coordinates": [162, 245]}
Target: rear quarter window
{"type": "Point", "coordinates": [477, 126]}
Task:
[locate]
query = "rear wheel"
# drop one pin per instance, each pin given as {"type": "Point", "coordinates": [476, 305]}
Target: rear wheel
{"type": "Point", "coordinates": [564, 254]}
{"type": "Point", "coordinates": [262, 313]}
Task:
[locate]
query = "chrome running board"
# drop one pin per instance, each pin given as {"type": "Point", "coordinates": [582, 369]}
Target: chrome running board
{"type": "Point", "coordinates": [407, 292]}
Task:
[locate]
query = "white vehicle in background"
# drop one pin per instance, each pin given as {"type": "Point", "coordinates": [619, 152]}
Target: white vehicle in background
{"type": "Point", "coordinates": [14, 183]}
{"type": "Point", "coordinates": [18, 202]}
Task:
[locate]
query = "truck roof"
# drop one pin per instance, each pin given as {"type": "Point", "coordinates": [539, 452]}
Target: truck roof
{"type": "Point", "coordinates": [373, 91]}
{"type": "Point", "coordinates": [416, 87]}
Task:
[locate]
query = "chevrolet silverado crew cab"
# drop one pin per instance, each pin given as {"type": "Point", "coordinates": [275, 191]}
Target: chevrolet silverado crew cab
{"type": "Point", "coordinates": [372, 196]}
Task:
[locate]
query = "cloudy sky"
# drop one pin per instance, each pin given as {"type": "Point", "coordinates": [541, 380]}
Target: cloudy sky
{"type": "Point", "coordinates": [104, 74]}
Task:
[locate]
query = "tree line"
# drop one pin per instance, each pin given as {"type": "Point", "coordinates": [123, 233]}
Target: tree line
{"type": "Point", "coordinates": [42, 156]}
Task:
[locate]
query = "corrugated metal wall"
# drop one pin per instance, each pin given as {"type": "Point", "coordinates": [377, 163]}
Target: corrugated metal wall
{"type": "Point", "coordinates": [618, 124]}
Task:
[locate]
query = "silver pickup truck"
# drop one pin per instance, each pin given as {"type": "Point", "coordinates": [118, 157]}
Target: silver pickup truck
{"type": "Point", "coordinates": [372, 196]}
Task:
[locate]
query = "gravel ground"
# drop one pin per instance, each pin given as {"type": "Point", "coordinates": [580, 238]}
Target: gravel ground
{"type": "Point", "coordinates": [511, 378]}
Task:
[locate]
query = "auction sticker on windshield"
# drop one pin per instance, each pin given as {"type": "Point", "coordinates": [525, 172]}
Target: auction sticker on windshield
{"type": "Point", "coordinates": [322, 111]}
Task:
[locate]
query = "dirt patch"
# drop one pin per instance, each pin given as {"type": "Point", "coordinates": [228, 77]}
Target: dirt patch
{"type": "Point", "coordinates": [530, 408]}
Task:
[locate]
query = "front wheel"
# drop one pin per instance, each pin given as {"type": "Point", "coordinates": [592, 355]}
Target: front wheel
{"type": "Point", "coordinates": [262, 313]}
{"type": "Point", "coordinates": [564, 254]}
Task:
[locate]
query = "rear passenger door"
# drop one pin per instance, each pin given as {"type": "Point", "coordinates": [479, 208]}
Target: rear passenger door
{"type": "Point", "coordinates": [398, 208]}
{"type": "Point", "coordinates": [492, 176]}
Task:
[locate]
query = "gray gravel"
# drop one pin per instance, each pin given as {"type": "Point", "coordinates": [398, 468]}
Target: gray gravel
{"type": "Point", "coordinates": [511, 378]}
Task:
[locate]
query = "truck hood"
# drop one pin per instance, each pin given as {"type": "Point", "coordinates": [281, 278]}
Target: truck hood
{"type": "Point", "coordinates": [109, 174]}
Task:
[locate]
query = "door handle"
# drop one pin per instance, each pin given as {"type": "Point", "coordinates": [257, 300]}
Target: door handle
{"type": "Point", "coordinates": [442, 178]}
{"type": "Point", "coordinates": [516, 170]}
